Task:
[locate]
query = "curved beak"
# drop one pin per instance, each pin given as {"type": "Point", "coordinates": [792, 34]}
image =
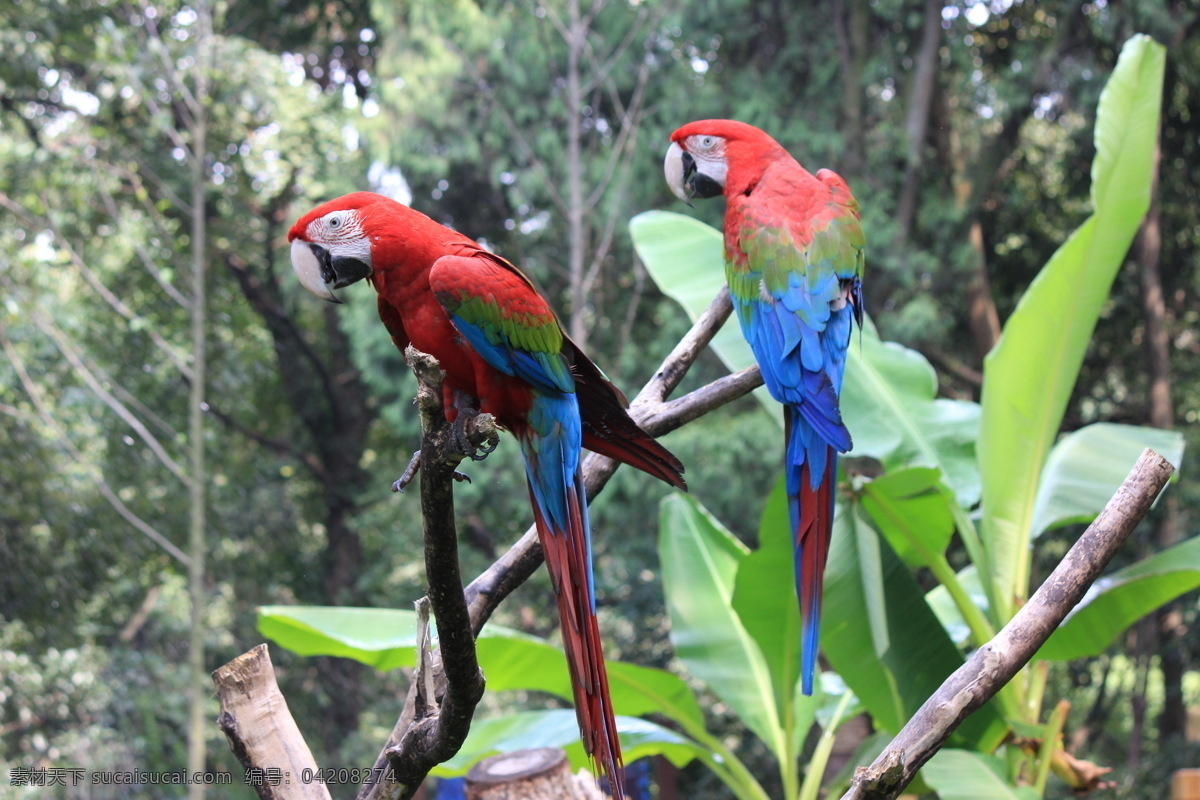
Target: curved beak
{"type": "Point", "coordinates": [321, 274]}
{"type": "Point", "coordinates": [679, 167]}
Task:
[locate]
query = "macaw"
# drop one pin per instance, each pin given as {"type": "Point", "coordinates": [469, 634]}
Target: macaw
{"type": "Point", "coordinates": [794, 263]}
{"type": "Point", "coordinates": [504, 352]}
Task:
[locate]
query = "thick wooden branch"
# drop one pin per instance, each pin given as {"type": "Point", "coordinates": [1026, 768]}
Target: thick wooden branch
{"type": "Point", "coordinates": [440, 724]}
{"type": "Point", "coordinates": [994, 664]}
{"type": "Point", "coordinates": [261, 732]}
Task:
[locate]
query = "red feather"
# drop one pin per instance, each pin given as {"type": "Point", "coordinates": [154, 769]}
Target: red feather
{"type": "Point", "coordinates": [813, 534]}
{"type": "Point", "coordinates": [567, 560]}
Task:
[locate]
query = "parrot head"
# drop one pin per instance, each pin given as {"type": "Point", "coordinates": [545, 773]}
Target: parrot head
{"type": "Point", "coordinates": [330, 244]}
{"type": "Point", "coordinates": [714, 156]}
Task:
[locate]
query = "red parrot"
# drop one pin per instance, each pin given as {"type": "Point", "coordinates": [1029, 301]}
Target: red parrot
{"type": "Point", "coordinates": [502, 348]}
{"type": "Point", "coordinates": [794, 263]}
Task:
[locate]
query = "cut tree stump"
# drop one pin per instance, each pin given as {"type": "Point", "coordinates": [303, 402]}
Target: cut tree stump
{"type": "Point", "coordinates": [1185, 784]}
{"type": "Point", "coordinates": [262, 733]}
{"type": "Point", "coordinates": [540, 774]}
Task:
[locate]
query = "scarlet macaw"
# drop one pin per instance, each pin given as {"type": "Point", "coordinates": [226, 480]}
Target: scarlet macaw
{"type": "Point", "coordinates": [794, 263]}
{"type": "Point", "coordinates": [500, 345]}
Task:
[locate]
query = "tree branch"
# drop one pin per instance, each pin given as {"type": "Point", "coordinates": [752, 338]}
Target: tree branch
{"type": "Point", "coordinates": [93, 471]}
{"type": "Point", "coordinates": [994, 664]}
{"type": "Point", "coordinates": [87, 374]}
{"type": "Point", "coordinates": [116, 303]}
{"type": "Point", "coordinates": [438, 732]}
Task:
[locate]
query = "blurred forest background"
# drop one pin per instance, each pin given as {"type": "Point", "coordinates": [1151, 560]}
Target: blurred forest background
{"type": "Point", "coordinates": [132, 132]}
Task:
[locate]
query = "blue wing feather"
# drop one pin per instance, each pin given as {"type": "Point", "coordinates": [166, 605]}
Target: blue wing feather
{"type": "Point", "coordinates": [539, 369]}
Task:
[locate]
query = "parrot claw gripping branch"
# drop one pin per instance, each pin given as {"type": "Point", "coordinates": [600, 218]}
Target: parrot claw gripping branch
{"type": "Point", "coordinates": [474, 436]}
{"type": "Point", "coordinates": [504, 354]}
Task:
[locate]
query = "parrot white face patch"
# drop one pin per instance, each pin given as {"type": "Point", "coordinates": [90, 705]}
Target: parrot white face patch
{"type": "Point", "coordinates": [308, 269]}
{"type": "Point", "coordinates": [341, 232]}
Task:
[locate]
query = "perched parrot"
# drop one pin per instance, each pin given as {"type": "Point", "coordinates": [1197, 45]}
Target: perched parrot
{"type": "Point", "coordinates": [794, 263]}
{"type": "Point", "coordinates": [502, 350]}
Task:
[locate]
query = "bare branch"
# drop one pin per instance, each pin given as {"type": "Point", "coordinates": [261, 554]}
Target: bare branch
{"type": "Point", "coordinates": [76, 360]}
{"type": "Point", "coordinates": [995, 664]}
{"type": "Point", "coordinates": [677, 364]}
{"type": "Point", "coordinates": [136, 242]}
{"type": "Point", "coordinates": [552, 14]}
{"type": "Point", "coordinates": [9, 104]}
{"type": "Point", "coordinates": [485, 89]}
{"type": "Point", "coordinates": [439, 730]}
{"type": "Point", "coordinates": [617, 54]}
{"type": "Point", "coordinates": [109, 297]}
{"type": "Point", "coordinates": [106, 491]}
{"type": "Point", "coordinates": [283, 447]}
{"type": "Point", "coordinates": [156, 45]}
{"type": "Point", "coordinates": [17, 413]}
{"type": "Point", "coordinates": [662, 418]}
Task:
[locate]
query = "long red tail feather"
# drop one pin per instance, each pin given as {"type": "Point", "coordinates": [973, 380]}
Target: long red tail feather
{"type": "Point", "coordinates": [813, 535]}
{"type": "Point", "coordinates": [567, 559]}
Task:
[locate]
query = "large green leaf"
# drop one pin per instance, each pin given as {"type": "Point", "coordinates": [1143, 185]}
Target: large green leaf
{"type": "Point", "coordinates": [685, 257]}
{"type": "Point", "coordinates": [888, 398]}
{"type": "Point", "coordinates": [639, 739]}
{"type": "Point", "coordinates": [764, 599]}
{"type": "Point", "coordinates": [882, 638]}
{"type": "Point", "coordinates": [700, 561]}
{"type": "Point", "coordinates": [378, 637]}
{"type": "Point", "coordinates": [386, 639]}
{"type": "Point", "coordinates": [910, 510]}
{"type": "Point", "coordinates": [522, 664]}
{"type": "Point", "coordinates": [889, 401]}
{"type": "Point", "coordinates": [964, 775]}
{"type": "Point", "coordinates": [1117, 601]}
{"type": "Point", "coordinates": [948, 613]}
{"type": "Point", "coordinates": [1029, 375]}
{"type": "Point", "coordinates": [1086, 467]}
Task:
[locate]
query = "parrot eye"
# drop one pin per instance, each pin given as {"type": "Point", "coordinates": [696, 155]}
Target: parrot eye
{"type": "Point", "coordinates": [707, 142]}
{"type": "Point", "coordinates": [335, 221]}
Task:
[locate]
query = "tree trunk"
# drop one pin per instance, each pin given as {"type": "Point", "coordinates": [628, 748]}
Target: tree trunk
{"type": "Point", "coordinates": [576, 232]}
{"type": "Point", "coordinates": [982, 316]}
{"type": "Point", "coordinates": [916, 122]}
{"type": "Point", "coordinates": [853, 29]}
{"type": "Point", "coordinates": [1173, 719]}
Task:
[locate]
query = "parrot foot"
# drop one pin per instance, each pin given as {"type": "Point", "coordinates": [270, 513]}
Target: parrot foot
{"type": "Point", "coordinates": [466, 416]}
{"type": "Point", "coordinates": [410, 472]}
{"type": "Point", "coordinates": [414, 466]}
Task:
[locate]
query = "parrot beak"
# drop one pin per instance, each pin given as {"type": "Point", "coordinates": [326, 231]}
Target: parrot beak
{"type": "Point", "coordinates": [675, 167]}
{"type": "Point", "coordinates": [321, 274]}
